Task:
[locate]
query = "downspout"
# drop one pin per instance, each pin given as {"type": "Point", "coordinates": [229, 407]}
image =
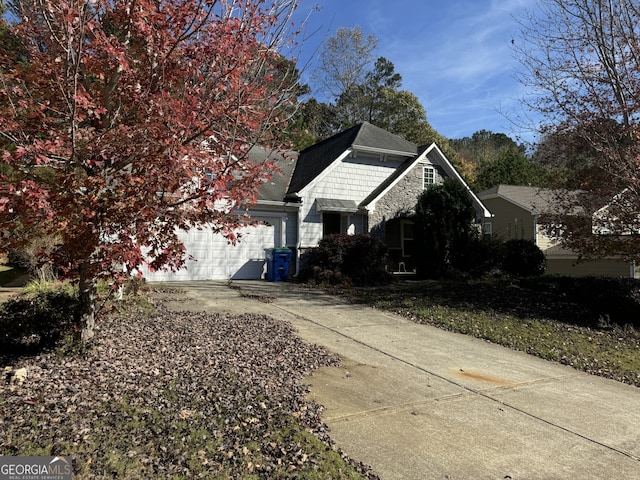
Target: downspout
{"type": "Point", "coordinates": [298, 241]}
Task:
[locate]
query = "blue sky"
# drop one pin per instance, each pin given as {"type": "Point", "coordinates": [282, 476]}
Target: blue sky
{"type": "Point", "coordinates": [455, 56]}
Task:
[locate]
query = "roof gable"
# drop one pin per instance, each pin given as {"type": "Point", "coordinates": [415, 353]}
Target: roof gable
{"type": "Point", "coordinates": [364, 137]}
{"type": "Point", "coordinates": [438, 158]}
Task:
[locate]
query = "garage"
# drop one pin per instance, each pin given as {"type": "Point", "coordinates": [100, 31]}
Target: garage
{"type": "Point", "coordinates": [214, 259]}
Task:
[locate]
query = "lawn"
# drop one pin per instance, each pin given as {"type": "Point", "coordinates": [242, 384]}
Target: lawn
{"type": "Point", "coordinates": [547, 324]}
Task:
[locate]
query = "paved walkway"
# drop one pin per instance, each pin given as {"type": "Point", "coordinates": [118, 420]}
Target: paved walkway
{"type": "Point", "coordinates": [416, 402]}
{"type": "Point", "coordinates": [13, 288]}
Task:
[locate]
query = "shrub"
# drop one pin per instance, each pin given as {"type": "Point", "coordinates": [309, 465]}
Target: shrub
{"type": "Point", "coordinates": [612, 300]}
{"type": "Point", "coordinates": [483, 257]}
{"type": "Point", "coordinates": [37, 322]}
{"type": "Point", "coordinates": [348, 259]}
{"type": "Point", "coordinates": [523, 258]}
{"type": "Point", "coordinates": [443, 229]}
{"type": "Point", "coordinates": [32, 256]}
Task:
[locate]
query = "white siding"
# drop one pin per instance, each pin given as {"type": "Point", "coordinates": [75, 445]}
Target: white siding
{"type": "Point", "coordinates": [545, 241]}
{"type": "Point", "coordinates": [311, 230]}
{"type": "Point", "coordinates": [291, 230]}
{"type": "Point", "coordinates": [353, 179]}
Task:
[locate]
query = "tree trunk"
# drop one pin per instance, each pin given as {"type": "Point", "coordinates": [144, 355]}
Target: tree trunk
{"type": "Point", "coordinates": [87, 303]}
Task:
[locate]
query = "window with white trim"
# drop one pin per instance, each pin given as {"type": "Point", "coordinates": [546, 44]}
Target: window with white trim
{"type": "Point", "coordinates": [335, 222]}
{"type": "Point", "coordinates": [407, 238]}
{"type": "Point", "coordinates": [331, 223]}
{"type": "Point", "coordinates": [428, 176]}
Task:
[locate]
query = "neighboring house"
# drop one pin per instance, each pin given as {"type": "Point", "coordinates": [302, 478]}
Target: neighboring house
{"type": "Point", "coordinates": [362, 180]}
{"type": "Point", "coordinates": [517, 212]}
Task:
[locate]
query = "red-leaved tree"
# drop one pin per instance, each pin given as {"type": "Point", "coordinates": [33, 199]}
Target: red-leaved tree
{"type": "Point", "coordinates": [122, 120]}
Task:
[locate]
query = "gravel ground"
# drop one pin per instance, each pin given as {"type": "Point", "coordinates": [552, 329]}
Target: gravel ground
{"type": "Point", "coordinates": [175, 395]}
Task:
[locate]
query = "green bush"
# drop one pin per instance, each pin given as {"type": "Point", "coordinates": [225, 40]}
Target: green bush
{"type": "Point", "coordinates": [347, 259]}
{"type": "Point", "coordinates": [37, 322]}
{"type": "Point", "coordinates": [483, 257]}
{"type": "Point", "coordinates": [522, 258]}
{"type": "Point", "coordinates": [444, 232]}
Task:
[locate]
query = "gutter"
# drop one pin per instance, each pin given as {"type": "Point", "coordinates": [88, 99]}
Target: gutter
{"type": "Point", "coordinates": [297, 204]}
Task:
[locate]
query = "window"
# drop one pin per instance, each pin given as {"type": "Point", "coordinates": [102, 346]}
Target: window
{"type": "Point", "coordinates": [331, 223]}
{"type": "Point", "coordinates": [407, 238]}
{"type": "Point", "coordinates": [487, 229]}
{"type": "Point", "coordinates": [335, 222]}
{"type": "Point", "coordinates": [428, 176]}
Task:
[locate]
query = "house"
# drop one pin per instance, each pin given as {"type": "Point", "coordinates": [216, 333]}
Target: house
{"type": "Point", "coordinates": [517, 214]}
{"type": "Point", "coordinates": [211, 257]}
{"type": "Point", "coordinates": [362, 180]}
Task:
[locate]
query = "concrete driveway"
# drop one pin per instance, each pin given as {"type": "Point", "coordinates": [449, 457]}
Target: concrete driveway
{"type": "Point", "coordinates": [416, 402]}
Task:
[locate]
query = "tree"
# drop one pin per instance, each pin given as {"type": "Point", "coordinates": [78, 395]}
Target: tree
{"type": "Point", "coordinates": [345, 59]}
{"type": "Point", "coordinates": [582, 58]}
{"type": "Point", "coordinates": [511, 167]}
{"type": "Point", "coordinates": [444, 228]}
{"type": "Point", "coordinates": [368, 101]}
{"type": "Point", "coordinates": [126, 120]}
{"type": "Point", "coordinates": [481, 148]}
{"type": "Point", "coordinates": [313, 121]}
{"type": "Point", "coordinates": [484, 146]}
{"type": "Point", "coordinates": [572, 163]}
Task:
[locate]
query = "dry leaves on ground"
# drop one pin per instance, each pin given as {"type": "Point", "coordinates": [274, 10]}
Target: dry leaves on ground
{"type": "Point", "coordinates": [175, 394]}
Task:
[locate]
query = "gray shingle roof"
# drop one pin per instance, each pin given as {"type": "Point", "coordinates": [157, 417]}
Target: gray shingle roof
{"type": "Point", "coordinates": [534, 199]}
{"type": "Point", "coordinates": [275, 189]}
{"type": "Point", "coordinates": [375, 137]}
{"type": "Point", "coordinates": [316, 158]}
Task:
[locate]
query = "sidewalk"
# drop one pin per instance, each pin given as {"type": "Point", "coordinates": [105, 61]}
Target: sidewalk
{"type": "Point", "coordinates": [416, 402]}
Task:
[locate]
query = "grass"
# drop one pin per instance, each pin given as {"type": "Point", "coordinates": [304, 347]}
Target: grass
{"type": "Point", "coordinates": [502, 312]}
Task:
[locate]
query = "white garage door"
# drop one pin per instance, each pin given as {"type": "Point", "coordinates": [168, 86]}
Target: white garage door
{"type": "Point", "coordinates": [215, 259]}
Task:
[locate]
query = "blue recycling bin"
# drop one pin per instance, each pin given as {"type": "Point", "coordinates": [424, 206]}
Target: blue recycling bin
{"type": "Point", "coordinates": [278, 264]}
